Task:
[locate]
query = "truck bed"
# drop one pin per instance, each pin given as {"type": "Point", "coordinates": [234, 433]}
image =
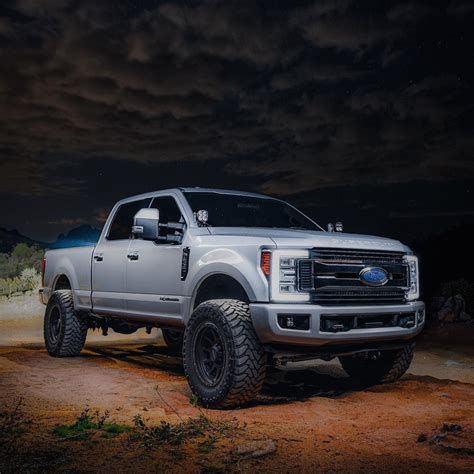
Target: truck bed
{"type": "Point", "coordinates": [75, 262]}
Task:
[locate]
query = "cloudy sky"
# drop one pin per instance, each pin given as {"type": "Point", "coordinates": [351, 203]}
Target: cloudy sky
{"type": "Point", "coordinates": [352, 110]}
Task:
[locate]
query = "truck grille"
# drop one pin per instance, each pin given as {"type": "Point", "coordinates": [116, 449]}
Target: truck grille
{"type": "Point", "coordinates": [332, 276]}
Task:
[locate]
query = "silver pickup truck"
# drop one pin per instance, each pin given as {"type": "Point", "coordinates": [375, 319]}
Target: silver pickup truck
{"type": "Point", "coordinates": [238, 283]}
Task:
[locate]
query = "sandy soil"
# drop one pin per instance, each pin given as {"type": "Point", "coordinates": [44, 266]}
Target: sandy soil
{"type": "Point", "coordinates": [317, 419]}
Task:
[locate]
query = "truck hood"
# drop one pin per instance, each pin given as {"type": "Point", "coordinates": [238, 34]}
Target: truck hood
{"type": "Point", "coordinates": [289, 238]}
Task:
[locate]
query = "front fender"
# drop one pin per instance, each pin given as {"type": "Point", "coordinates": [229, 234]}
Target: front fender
{"type": "Point", "coordinates": [245, 269]}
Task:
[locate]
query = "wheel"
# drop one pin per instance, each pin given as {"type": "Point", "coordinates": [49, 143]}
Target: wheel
{"type": "Point", "coordinates": [379, 366]}
{"type": "Point", "coordinates": [224, 360]}
{"type": "Point", "coordinates": [174, 340]}
{"type": "Point", "coordinates": [64, 330]}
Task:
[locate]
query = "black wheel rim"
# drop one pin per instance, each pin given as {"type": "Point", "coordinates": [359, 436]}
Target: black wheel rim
{"type": "Point", "coordinates": [209, 354]}
{"type": "Point", "coordinates": [54, 324]}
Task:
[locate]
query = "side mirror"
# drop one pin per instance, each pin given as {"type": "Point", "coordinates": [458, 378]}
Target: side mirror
{"type": "Point", "coordinates": [330, 227]}
{"type": "Point", "coordinates": [339, 227]}
{"type": "Point", "coordinates": [146, 224]}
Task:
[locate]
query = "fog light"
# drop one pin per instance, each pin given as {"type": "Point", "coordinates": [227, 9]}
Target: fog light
{"type": "Point", "coordinates": [294, 321]}
{"type": "Point", "coordinates": [407, 321]}
{"type": "Point", "coordinates": [420, 317]}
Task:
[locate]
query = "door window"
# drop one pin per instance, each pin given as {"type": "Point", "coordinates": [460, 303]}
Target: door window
{"type": "Point", "coordinates": [169, 212]}
{"type": "Point", "coordinates": [121, 227]}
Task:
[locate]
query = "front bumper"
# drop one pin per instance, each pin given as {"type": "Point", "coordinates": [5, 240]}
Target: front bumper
{"type": "Point", "coordinates": [265, 321]}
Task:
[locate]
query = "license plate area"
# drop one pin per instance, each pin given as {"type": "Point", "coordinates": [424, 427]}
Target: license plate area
{"type": "Point", "coordinates": [348, 322]}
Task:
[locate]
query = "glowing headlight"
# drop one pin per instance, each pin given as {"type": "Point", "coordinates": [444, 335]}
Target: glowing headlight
{"type": "Point", "coordinates": [413, 278]}
{"type": "Point", "coordinates": [283, 275]}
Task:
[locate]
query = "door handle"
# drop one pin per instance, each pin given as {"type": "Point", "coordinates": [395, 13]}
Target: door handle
{"type": "Point", "coordinates": [133, 256]}
{"type": "Point", "coordinates": [98, 258]}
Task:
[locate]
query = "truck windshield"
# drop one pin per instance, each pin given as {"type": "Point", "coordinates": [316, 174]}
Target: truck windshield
{"type": "Point", "coordinates": [233, 210]}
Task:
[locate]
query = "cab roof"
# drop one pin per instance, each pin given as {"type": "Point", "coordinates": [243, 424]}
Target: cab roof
{"type": "Point", "coordinates": [221, 191]}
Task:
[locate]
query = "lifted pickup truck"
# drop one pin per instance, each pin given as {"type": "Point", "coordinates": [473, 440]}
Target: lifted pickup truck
{"type": "Point", "coordinates": [237, 282]}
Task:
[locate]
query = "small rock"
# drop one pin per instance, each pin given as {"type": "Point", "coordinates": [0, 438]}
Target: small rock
{"type": "Point", "coordinates": [451, 427]}
{"type": "Point", "coordinates": [436, 303]}
{"type": "Point", "coordinates": [452, 309]}
{"type": "Point", "coordinates": [256, 449]}
{"type": "Point", "coordinates": [422, 437]}
{"type": "Point", "coordinates": [445, 395]}
{"type": "Point", "coordinates": [436, 439]}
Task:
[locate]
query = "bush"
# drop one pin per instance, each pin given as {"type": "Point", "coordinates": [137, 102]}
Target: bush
{"type": "Point", "coordinates": [21, 257]}
{"type": "Point", "coordinates": [19, 271]}
{"type": "Point", "coordinates": [29, 279]}
{"type": "Point", "coordinates": [460, 287]}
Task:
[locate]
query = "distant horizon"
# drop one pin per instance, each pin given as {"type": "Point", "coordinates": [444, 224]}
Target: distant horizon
{"type": "Point", "coordinates": [456, 224]}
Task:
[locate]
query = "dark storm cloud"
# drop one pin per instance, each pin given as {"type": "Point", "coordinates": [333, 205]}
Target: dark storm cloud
{"type": "Point", "coordinates": [295, 97]}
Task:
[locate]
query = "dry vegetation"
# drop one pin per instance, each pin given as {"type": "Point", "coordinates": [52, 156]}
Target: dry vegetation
{"type": "Point", "coordinates": [19, 270]}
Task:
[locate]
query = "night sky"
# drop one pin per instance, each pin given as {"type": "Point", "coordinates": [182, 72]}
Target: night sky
{"type": "Point", "coordinates": [354, 111]}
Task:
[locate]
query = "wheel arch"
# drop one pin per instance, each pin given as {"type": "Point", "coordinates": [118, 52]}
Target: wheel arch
{"type": "Point", "coordinates": [218, 285]}
{"type": "Point", "coordinates": [62, 282]}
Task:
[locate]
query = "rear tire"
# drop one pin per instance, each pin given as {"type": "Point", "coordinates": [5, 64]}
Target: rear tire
{"type": "Point", "coordinates": [379, 367]}
{"type": "Point", "coordinates": [224, 360]}
{"type": "Point", "coordinates": [65, 330]}
{"type": "Point", "coordinates": [173, 340]}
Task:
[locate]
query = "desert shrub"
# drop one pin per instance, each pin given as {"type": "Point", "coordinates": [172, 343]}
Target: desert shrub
{"type": "Point", "coordinates": [201, 427]}
{"type": "Point", "coordinates": [29, 279]}
{"type": "Point", "coordinates": [21, 257]}
{"type": "Point", "coordinates": [13, 423]}
{"type": "Point", "coordinates": [461, 287]}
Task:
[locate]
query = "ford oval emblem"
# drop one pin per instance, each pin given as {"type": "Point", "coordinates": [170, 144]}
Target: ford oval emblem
{"type": "Point", "coordinates": [373, 276]}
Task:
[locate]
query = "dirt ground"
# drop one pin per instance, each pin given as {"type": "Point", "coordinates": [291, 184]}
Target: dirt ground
{"type": "Point", "coordinates": [310, 419]}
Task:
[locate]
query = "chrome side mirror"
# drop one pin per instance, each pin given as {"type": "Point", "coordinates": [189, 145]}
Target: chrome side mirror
{"type": "Point", "coordinates": [330, 227]}
{"type": "Point", "coordinates": [146, 224]}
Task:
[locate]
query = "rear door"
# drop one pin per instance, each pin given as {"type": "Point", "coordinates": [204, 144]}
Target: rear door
{"type": "Point", "coordinates": [154, 285]}
{"type": "Point", "coordinates": [109, 261]}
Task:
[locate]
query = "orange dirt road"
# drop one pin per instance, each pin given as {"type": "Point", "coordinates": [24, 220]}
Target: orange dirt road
{"type": "Point", "coordinates": [316, 418]}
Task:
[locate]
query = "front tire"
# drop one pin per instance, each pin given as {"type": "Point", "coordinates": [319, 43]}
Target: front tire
{"type": "Point", "coordinates": [379, 366]}
{"type": "Point", "coordinates": [224, 360]}
{"type": "Point", "coordinates": [65, 330]}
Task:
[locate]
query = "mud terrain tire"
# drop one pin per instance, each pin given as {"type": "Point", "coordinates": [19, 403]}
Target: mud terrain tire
{"type": "Point", "coordinates": [224, 360]}
{"type": "Point", "coordinates": [65, 330]}
{"type": "Point", "coordinates": [379, 367]}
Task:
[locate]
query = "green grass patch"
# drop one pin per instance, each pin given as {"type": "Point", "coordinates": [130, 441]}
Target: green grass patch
{"type": "Point", "coordinates": [86, 424]}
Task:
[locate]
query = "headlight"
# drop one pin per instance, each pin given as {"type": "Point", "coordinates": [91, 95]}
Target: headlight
{"type": "Point", "coordinates": [413, 278]}
{"type": "Point", "coordinates": [282, 274]}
